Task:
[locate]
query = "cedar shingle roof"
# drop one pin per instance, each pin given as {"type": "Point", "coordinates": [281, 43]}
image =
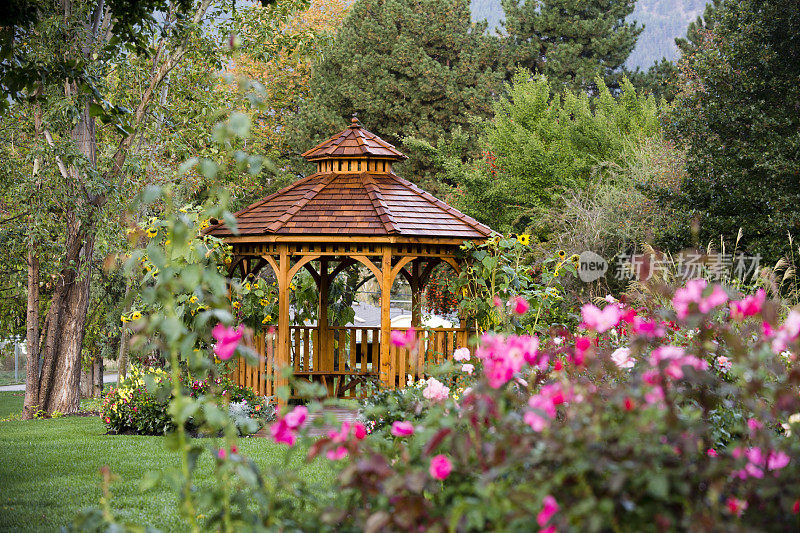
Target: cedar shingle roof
{"type": "Point", "coordinates": [354, 204]}
{"type": "Point", "coordinates": [358, 203]}
{"type": "Point", "coordinates": [354, 141]}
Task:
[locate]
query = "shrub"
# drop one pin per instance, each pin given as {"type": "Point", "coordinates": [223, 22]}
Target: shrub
{"type": "Point", "coordinates": [140, 403]}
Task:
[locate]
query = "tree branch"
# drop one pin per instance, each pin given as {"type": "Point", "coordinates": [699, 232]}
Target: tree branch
{"type": "Point", "coordinates": [170, 62]}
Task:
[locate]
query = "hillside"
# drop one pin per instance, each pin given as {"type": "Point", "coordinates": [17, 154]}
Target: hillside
{"type": "Point", "coordinates": [663, 20]}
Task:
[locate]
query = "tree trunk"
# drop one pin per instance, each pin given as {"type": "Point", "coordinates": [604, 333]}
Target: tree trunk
{"type": "Point", "coordinates": [60, 390]}
{"type": "Point", "coordinates": [31, 403]}
{"type": "Point", "coordinates": [97, 378]}
{"type": "Point", "coordinates": [122, 361]}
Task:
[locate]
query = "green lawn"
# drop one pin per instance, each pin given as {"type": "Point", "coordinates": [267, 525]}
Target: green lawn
{"type": "Point", "coordinates": [49, 470]}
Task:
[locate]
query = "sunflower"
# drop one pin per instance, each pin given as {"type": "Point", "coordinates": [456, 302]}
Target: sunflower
{"type": "Point", "coordinates": [562, 254]}
{"type": "Point", "coordinates": [524, 239]}
{"type": "Point", "coordinates": [136, 315]}
{"type": "Point", "coordinates": [193, 300]}
{"type": "Point", "coordinates": [152, 232]}
{"type": "Point", "coordinates": [124, 319]}
{"type": "Point", "coordinates": [267, 319]}
{"type": "Point", "coordinates": [263, 302]}
{"type": "Point", "coordinates": [236, 305]}
{"type": "Point", "coordinates": [292, 287]}
{"type": "Point", "coordinates": [247, 286]}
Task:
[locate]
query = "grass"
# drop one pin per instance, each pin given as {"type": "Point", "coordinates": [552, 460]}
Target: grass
{"type": "Point", "coordinates": [7, 377]}
{"type": "Point", "coordinates": [50, 471]}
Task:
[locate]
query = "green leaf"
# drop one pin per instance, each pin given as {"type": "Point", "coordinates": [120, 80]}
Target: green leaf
{"type": "Point", "coordinates": [658, 485]}
{"type": "Point", "coordinates": [239, 124]}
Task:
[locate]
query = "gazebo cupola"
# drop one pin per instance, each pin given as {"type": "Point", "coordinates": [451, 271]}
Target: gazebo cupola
{"type": "Point", "coordinates": [353, 211]}
{"type": "Point", "coordinates": [354, 150]}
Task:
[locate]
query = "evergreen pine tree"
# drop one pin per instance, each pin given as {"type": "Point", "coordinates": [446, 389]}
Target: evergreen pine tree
{"type": "Point", "coordinates": [407, 68]}
{"type": "Point", "coordinates": [571, 41]}
{"type": "Point", "coordinates": [737, 115]}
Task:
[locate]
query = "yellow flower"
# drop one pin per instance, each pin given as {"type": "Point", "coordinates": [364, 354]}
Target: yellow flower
{"type": "Point", "coordinates": [193, 299]}
{"type": "Point", "coordinates": [267, 319]}
{"type": "Point", "coordinates": [205, 223]}
{"type": "Point", "coordinates": [136, 315]}
{"type": "Point", "coordinates": [227, 260]}
{"type": "Point", "coordinates": [524, 239]}
{"type": "Point", "coordinates": [152, 232]}
{"type": "Point", "coordinates": [247, 286]}
{"type": "Point", "coordinates": [292, 287]}
{"type": "Point", "coordinates": [562, 254]}
{"type": "Point", "coordinates": [263, 302]}
{"type": "Point", "coordinates": [236, 305]}
{"type": "Point", "coordinates": [167, 242]}
{"type": "Point", "coordinates": [124, 319]}
{"type": "Point", "coordinates": [255, 285]}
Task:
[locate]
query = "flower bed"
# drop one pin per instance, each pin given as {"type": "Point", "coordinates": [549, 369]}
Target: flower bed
{"type": "Point", "coordinates": [140, 404]}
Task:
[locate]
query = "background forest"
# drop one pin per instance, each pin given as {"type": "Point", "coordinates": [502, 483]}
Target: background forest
{"type": "Point", "coordinates": [540, 130]}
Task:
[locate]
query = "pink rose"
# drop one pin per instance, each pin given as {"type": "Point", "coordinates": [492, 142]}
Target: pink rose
{"type": "Point", "coordinates": [440, 467]}
{"type": "Point", "coordinates": [520, 305]}
{"type": "Point", "coordinates": [360, 431]}
{"type": "Point", "coordinates": [549, 508]}
{"type": "Point", "coordinates": [404, 339]}
{"type": "Point", "coordinates": [600, 320]}
{"type": "Point", "coordinates": [461, 354]}
{"type": "Point", "coordinates": [227, 340]}
{"type": "Point", "coordinates": [281, 433]}
{"type": "Point", "coordinates": [402, 429]}
{"type": "Point", "coordinates": [692, 293]}
{"type": "Point", "coordinates": [296, 417]}
{"type": "Point", "coordinates": [335, 454]}
{"type": "Point", "coordinates": [622, 358]}
{"type": "Point", "coordinates": [749, 306]}
{"type": "Point", "coordinates": [777, 460]}
{"type": "Point", "coordinates": [436, 390]}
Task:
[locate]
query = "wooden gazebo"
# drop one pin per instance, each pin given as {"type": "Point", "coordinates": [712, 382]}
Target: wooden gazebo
{"type": "Point", "coordinates": [353, 209]}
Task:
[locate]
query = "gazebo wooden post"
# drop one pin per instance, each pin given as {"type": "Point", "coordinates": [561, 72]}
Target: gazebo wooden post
{"type": "Point", "coordinates": [325, 352]}
{"type": "Point", "coordinates": [386, 321]}
{"type": "Point", "coordinates": [416, 296]}
{"type": "Point", "coordinates": [282, 357]}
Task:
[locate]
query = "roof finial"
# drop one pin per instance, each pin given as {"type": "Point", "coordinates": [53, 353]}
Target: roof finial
{"type": "Point", "coordinates": [354, 121]}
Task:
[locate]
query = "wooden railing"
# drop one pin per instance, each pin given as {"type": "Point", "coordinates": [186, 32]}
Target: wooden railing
{"type": "Point", "coordinates": [259, 377]}
{"type": "Point", "coordinates": [353, 357]}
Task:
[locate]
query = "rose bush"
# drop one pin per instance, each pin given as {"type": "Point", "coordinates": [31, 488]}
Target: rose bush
{"type": "Point", "coordinates": [562, 435]}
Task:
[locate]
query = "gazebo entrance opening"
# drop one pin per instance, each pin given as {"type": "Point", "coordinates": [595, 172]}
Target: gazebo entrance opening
{"type": "Point", "coordinates": [353, 210]}
{"type": "Point", "coordinates": [345, 357]}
